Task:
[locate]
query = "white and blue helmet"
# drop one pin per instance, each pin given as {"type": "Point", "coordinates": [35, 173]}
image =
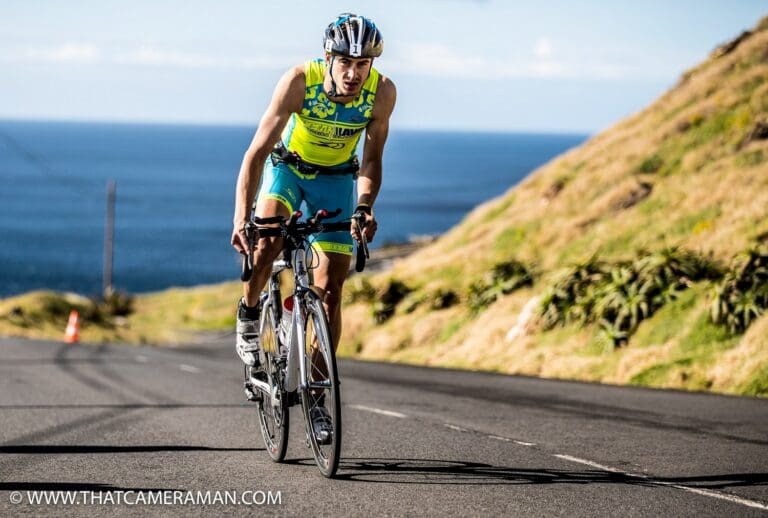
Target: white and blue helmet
{"type": "Point", "coordinates": [353, 36]}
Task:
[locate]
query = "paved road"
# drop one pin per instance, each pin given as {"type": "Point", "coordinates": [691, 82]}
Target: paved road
{"type": "Point", "coordinates": [122, 419]}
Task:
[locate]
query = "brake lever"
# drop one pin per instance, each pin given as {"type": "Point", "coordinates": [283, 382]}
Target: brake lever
{"type": "Point", "coordinates": [247, 267]}
{"type": "Point", "coordinates": [362, 244]}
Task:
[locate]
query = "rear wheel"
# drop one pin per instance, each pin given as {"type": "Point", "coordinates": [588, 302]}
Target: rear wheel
{"type": "Point", "coordinates": [323, 389]}
{"type": "Point", "coordinates": [272, 410]}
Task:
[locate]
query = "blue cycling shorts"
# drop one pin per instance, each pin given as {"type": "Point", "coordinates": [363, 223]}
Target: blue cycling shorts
{"type": "Point", "coordinates": [283, 183]}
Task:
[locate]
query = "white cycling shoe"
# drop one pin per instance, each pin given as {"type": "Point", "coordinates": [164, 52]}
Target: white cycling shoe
{"type": "Point", "coordinates": [247, 342]}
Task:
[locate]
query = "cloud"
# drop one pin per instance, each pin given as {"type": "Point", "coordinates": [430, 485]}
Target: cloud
{"type": "Point", "coordinates": [74, 53]}
{"type": "Point", "coordinates": [439, 60]}
{"type": "Point", "coordinates": [543, 48]}
{"type": "Point", "coordinates": [150, 56]}
{"type": "Point", "coordinates": [146, 56]}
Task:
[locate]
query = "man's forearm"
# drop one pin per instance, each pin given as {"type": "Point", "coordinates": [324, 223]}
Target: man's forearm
{"type": "Point", "coordinates": [247, 184]}
{"type": "Point", "coordinates": [369, 183]}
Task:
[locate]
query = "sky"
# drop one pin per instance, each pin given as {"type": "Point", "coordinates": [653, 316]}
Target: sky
{"type": "Point", "coordinates": [482, 65]}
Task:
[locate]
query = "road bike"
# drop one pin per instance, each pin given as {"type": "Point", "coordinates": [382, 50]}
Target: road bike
{"type": "Point", "coordinates": [297, 360]}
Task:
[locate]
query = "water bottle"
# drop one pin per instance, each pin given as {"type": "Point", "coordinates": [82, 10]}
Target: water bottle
{"type": "Point", "coordinates": [285, 321]}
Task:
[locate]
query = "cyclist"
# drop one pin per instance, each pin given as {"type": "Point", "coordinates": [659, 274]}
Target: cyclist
{"type": "Point", "coordinates": [305, 144]}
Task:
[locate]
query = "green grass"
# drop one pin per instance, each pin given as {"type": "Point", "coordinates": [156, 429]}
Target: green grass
{"type": "Point", "coordinates": [706, 338]}
{"type": "Point", "coordinates": [500, 207]}
{"type": "Point", "coordinates": [510, 240]}
{"type": "Point", "coordinates": [667, 322]}
{"type": "Point", "coordinates": [652, 205]}
{"type": "Point", "coordinates": [452, 328]}
{"type": "Point", "coordinates": [757, 385]}
{"type": "Point", "coordinates": [651, 164]}
{"type": "Point", "coordinates": [687, 223]}
{"type": "Point", "coordinates": [749, 158]}
{"type": "Point", "coordinates": [658, 374]}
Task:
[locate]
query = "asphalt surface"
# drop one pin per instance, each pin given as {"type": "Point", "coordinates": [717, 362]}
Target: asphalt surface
{"type": "Point", "coordinates": [105, 423]}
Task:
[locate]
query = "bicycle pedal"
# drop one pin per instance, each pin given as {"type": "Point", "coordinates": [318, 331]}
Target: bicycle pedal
{"type": "Point", "coordinates": [250, 394]}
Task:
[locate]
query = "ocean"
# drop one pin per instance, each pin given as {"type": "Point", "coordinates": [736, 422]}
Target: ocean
{"type": "Point", "coordinates": [175, 194]}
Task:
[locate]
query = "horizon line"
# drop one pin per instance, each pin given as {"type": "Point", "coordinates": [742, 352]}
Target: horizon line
{"type": "Point", "coordinates": [223, 124]}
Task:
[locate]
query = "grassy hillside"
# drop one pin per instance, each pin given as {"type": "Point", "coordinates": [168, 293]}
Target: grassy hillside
{"type": "Point", "coordinates": [689, 171]}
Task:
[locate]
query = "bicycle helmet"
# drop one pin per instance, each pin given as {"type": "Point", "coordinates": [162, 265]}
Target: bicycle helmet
{"type": "Point", "coordinates": [353, 36]}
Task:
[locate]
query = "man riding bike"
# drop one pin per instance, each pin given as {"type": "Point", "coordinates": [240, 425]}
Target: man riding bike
{"type": "Point", "coordinates": [305, 144]}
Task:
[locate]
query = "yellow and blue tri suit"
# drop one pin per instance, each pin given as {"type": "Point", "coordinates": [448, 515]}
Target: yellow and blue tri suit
{"type": "Point", "coordinates": [324, 134]}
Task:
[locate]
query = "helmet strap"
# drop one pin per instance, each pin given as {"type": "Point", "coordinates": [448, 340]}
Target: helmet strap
{"type": "Point", "coordinates": [333, 91]}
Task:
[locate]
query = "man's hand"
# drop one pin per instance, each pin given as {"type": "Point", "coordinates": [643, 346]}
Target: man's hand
{"type": "Point", "coordinates": [368, 224]}
{"type": "Point", "coordinates": [240, 239]}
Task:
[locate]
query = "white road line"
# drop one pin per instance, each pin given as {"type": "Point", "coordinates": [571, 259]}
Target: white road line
{"type": "Point", "coordinates": [188, 368]}
{"type": "Point", "coordinates": [523, 443]}
{"type": "Point", "coordinates": [388, 413]}
{"type": "Point", "coordinates": [454, 427]}
{"type": "Point", "coordinates": [497, 438]}
{"type": "Point", "coordinates": [593, 464]}
{"type": "Point", "coordinates": [696, 490]}
{"type": "Point", "coordinates": [141, 358]}
{"type": "Point", "coordinates": [717, 494]}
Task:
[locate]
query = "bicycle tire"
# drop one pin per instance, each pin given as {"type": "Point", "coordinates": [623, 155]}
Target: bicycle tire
{"type": "Point", "coordinates": [317, 332]}
{"type": "Point", "coordinates": [274, 420]}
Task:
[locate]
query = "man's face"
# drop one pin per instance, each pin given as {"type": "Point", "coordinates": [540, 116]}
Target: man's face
{"type": "Point", "coordinates": [350, 74]}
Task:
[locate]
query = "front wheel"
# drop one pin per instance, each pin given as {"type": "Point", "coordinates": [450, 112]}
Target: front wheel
{"type": "Point", "coordinates": [320, 399]}
{"type": "Point", "coordinates": [273, 413]}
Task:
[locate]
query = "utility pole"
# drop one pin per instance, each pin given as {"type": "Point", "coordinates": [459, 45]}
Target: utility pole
{"type": "Point", "coordinates": [109, 238]}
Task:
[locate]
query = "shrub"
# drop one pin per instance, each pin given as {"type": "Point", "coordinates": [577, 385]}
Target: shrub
{"type": "Point", "coordinates": [442, 299]}
{"type": "Point", "coordinates": [504, 278]}
{"type": "Point", "coordinates": [387, 300]}
{"type": "Point", "coordinates": [358, 289]}
{"type": "Point", "coordinates": [571, 297]}
{"type": "Point", "coordinates": [634, 291]}
{"type": "Point", "coordinates": [619, 296]}
{"type": "Point", "coordinates": [742, 296]}
{"type": "Point", "coordinates": [651, 164]}
{"type": "Point", "coordinates": [118, 304]}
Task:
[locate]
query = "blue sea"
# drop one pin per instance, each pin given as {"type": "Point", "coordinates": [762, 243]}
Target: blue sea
{"type": "Point", "coordinates": [175, 193]}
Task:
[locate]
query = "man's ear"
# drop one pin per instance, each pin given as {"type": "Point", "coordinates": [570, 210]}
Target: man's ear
{"type": "Point", "coordinates": [327, 58]}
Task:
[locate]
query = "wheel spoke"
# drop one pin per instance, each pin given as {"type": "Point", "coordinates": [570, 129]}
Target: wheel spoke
{"type": "Point", "coordinates": [320, 399]}
{"type": "Point", "coordinates": [273, 420]}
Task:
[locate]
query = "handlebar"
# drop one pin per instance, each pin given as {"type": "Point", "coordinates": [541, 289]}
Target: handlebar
{"type": "Point", "coordinates": [296, 231]}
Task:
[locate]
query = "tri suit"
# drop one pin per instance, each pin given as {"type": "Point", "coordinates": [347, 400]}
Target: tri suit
{"type": "Point", "coordinates": [315, 161]}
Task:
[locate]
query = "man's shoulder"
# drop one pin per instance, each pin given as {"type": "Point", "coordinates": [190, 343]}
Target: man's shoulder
{"type": "Point", "coordinates": [386, 88]}
{"type": "Point", "coordinates": [294, 79]}
{"type": "Point", "coordinates": [296, 73]}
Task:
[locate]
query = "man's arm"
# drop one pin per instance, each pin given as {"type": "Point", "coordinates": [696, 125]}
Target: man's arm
{"type": "Point", "coordinates": [369, 181]}
{"type": "Point", "coordinates": [286, 99]}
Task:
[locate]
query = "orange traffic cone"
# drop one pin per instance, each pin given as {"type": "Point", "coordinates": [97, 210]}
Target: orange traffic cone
{"type": "Point", "coordinates": [72, 334]}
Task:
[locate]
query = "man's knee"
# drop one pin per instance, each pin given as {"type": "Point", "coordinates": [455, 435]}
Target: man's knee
{"type": "Point", "coordinates": [267, 251]}
{"type": "Point", "coordinates": [330, 292]}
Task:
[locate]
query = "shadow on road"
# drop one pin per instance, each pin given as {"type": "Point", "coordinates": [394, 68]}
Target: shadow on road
{"type": "Point", "coordinates": [72, 486]}
{"type": "Point", "coordinates": [47, 449]}
{"type": "Point", "coordinates": [432, 471]}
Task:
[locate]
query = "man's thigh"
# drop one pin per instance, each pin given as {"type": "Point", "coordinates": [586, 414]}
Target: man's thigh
{"type": "Point", "coordinates": [331, 271]}
{"type": "Point", "coordinates": [331, 193]}
{"type": "Point", "coordinates": [279, 193]}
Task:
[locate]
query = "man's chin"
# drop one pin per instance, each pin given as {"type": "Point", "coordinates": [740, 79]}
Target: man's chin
{"type": "Point", "coordinates": [349, 92]}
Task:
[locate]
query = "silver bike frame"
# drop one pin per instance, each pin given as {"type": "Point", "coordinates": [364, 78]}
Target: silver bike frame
{"type": "Point", "coordinates": [295, 375]}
